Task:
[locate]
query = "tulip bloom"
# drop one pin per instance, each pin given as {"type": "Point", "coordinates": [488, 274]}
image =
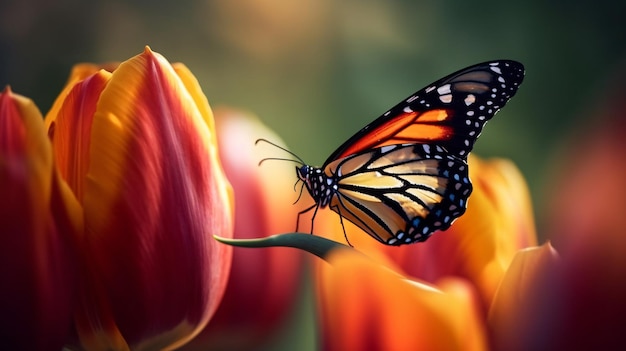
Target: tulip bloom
{"type": "Point", "coordinates": [263, 284]}
{"type": "Point", "coordinates": [367, 306]}
{"type": "Point", "coordinates": [38, 219]}
{"type": "Point", "coordinates": [138, 148]}
{"type": "Point", "coordinates": [474, 254]}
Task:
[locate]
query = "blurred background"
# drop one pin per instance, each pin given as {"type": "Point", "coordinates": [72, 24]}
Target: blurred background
{"type": "Point", "coordinates": [316, 71]}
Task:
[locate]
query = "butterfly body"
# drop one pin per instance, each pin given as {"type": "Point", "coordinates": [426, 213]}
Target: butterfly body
{"type": "Point", "coordinates": [405, 175]}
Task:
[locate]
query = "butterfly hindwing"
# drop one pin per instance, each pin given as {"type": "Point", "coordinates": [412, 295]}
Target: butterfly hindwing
{"type": "Point", "coordinates": [401, 193]}
{"type": "Point", "coordinates": [450, 112]}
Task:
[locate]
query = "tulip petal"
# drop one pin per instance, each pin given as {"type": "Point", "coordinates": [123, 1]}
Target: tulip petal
{"type": "Point", "coordinates": [366, 306]}
{"type": "Point", "coordinates": [508, 316]}
{"type": "Point", "coordinates": [153, 194]}
{"type": "Point", "coordinates": [36, 229]}
{"type": "Point", "coordinates": [70, 129]}
{"type": "Point", "coordinates": [79, 73]}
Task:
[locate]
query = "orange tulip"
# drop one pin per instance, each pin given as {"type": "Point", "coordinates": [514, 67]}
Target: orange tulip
{"type": "Point", "coordinates": [38, 219]}
{"type": "Point", "coordinates": [138, 148]}
{"type": "Point", "coordinates": [479, 246]}
{"type": "Point", "coordinates": [367, 306]}
{"type": "Point", "coordinates": [474, 254]}
{"type": "Point", "coordinates": [263, 284]}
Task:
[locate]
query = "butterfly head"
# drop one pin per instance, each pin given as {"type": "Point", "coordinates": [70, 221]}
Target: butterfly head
{"type": "Point", "coordinates": [306, 174]}
{"type": "Point", "coordinates": [318, 184]}
{"type": "Point", "coordinates": [303, 172]}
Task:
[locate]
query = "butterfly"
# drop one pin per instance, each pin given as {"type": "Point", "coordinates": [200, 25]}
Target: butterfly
{"type": "Point", "coordinates": [405, 175]}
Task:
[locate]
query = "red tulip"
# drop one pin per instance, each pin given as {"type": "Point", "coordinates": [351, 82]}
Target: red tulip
{"type": "Point", "coordinates": [138, 148]}
{"type": "Point", "coordinates": [39, 219]}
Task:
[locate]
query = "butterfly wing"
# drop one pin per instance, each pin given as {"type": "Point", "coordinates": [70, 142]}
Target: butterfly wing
{"type": "Point", "coordinates": [400, 194]}
{"type": "Point", "coordinates": [450, 113]}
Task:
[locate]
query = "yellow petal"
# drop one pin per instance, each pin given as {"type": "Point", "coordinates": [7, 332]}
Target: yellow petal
{"type": "Point", "coordinates": [193, 87]}
{"type": "Point", "coordinates": [498, 223]}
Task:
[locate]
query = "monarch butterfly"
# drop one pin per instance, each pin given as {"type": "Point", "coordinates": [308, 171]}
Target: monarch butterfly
{"type": "Point", "coordinates": [405, 175]}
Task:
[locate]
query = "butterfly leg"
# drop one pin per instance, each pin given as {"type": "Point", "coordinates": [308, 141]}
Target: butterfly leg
{"type": "Point", "coordinates": [313, 218]}
{"type": "Point", "coordinates": [303, 212]}
{"type": "Point", "coordinates": [344, 230]}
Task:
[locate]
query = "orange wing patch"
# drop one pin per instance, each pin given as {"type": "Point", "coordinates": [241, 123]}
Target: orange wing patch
{"type": "Point", "coordinates": [434, 116]}
{"type": "Point", "coordinates": [405, 128]}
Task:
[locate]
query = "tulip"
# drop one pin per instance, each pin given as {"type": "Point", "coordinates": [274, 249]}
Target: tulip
{"type": "Point", "coordinates": [479, 246]}
{"type": "Point", "coordinates": [367, 306]}
{"type": "Point", "coordinates": [39, 219]}
{"type": "Point", "coordinates": [138, 148]}
{"type": "Point", "coordinates": [474, 254]}
{"type": "Point", "coordinates": [263, 284]}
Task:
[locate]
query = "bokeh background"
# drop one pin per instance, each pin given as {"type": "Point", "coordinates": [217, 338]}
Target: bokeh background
{"type": "Point", "coordinates": [316, 71]}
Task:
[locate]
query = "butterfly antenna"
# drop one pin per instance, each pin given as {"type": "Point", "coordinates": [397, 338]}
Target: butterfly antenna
{"type": "Point", "coordinates": [279, 159]}
{"type": "Point", "coordinates": [299, 160]}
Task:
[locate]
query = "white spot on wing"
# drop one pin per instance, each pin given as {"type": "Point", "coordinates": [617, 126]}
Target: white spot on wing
{"type": "Point", "coordinates": [470, 99]}
{"type": "Point", "coordinates": [385, 149]}
{"type": "Point", "coordinates": [446, 99]}
{"type": "Point", "coordinates": [429, 89]}
{"type": "Point", "coordinates": [408, 109]}
{"type": "Point", "coordinates": [496, 69]}
{"type": "Point", "coordinates": [444, 89]}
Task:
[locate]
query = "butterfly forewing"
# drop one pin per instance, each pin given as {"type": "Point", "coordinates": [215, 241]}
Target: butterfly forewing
{"type": "Point", "coordinates": [450, 112]}
{"type": "Point", "coordinates": [401, 193]}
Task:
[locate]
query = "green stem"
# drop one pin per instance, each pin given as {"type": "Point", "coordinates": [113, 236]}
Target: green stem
{"type": "Point", "coordinates": [316, 245]}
